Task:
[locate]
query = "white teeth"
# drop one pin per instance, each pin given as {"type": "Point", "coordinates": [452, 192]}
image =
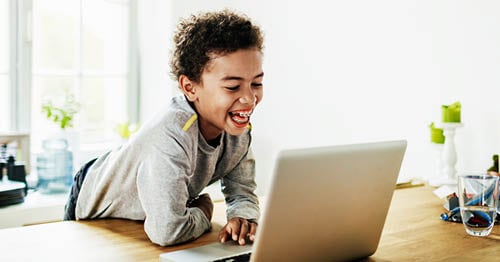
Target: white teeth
{"type": "Point", "coordinates": [245, 114]}
{"type": "Point", "coordinates": [241, 117]}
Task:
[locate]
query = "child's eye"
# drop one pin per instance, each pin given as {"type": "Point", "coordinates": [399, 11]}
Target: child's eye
{"type": "Point", "coordinates": [232, 88]}
{"type": "Point", "coordinates": [256, 84]}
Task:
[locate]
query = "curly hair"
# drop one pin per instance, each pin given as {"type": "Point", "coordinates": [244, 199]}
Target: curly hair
{"type": "Point", "coordinates": [201, 36]}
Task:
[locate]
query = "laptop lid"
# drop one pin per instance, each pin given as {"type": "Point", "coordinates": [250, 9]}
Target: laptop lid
{"type": "Point", "coordinates": [324, 203]}
{"type": "Point", "coordinates": [328, 203]}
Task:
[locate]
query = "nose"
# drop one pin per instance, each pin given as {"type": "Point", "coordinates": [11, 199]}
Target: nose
{"type": "Point", "coordinates": [248, 97]}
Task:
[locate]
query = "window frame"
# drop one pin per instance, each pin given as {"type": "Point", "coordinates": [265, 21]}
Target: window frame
{"type": "Point", "coordinates": [20, 65]}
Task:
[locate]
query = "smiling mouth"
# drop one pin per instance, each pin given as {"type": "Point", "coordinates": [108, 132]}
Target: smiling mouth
{"type": "Point", "coordinates": [241, 117]}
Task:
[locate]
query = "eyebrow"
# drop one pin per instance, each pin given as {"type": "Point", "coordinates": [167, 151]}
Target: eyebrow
{"type": "Point", "coordinates": [228, 78]}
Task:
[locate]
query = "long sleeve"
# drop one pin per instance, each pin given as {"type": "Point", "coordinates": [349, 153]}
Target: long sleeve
{"type": "Point", "coordinates": [239, 190]}
{"type": "Point", "coordinates": [164, 196]}
{"type": "Point", "coordinates": [163, 182]}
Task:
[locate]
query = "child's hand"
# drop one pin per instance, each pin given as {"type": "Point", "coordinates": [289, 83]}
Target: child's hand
{"type": "Point", "coordinates": [203, 202]}
{"type": "Point", "coordinates": [238, 229]}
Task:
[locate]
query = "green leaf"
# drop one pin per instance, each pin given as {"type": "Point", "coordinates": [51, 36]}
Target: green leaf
{"type": "Point", "coordinates": [62, 115]}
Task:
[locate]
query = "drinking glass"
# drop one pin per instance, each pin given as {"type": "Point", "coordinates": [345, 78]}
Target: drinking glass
{"type": "Point", "coordinates": [478, 198]}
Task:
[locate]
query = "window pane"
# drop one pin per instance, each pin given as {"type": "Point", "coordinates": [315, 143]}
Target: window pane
{"type": "Point", "coordinates": [100, 114]}
{"type": "Point", "coordinates": [82, 46]}
{"type": "Point", "coordinates": [105, 36]}
{"type": "Point", "coordinates": [4, 103]}
{"type": "Point", "coordinates": [4, 66]}
{"type": "Point", "coordinates": [55, 34]}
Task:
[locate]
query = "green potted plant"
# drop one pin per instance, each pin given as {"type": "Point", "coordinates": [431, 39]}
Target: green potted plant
{"type": "Point", "coordinates": [63, 115]}
{"type": "Point", "coordinates": [55, 162]}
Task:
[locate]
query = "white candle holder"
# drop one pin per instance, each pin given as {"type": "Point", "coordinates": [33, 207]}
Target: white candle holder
{"type": "Point", "coordinates": [437, 179]}
{"type": "Point", "coordinates": [449, 154]}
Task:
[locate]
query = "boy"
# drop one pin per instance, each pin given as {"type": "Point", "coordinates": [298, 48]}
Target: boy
{"type": "Point", "coordinates": [202, 136]}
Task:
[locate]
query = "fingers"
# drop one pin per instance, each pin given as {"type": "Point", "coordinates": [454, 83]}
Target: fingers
{"type": "Point", "coordinates": [224, 233]}
{"type": "Point", "coordinates": [238, 229]}
{"type": "Point", "coordinates": [253, 230]}
{"type": "Point", "coordinates": [230, 231]}
{"type": "Point", "coordinates": [244, 225]}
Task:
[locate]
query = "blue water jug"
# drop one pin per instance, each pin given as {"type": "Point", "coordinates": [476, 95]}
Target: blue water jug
{"type": "Point", "coordinates": [54, 167]}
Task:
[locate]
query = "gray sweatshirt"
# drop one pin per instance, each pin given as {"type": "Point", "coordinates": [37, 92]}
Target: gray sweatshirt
{"type": "Point", "coordinates": [162, 167]}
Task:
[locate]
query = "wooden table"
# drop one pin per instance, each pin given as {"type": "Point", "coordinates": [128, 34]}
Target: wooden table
{"type": "Point", "coordinates": [413, 231]}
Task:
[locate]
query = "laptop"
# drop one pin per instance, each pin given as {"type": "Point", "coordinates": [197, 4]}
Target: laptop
{"type": "Point", "coordinates": [324, 204]}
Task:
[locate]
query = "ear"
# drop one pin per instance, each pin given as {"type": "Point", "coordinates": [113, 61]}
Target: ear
{"type": "Point", "coordinates": [188, 87]}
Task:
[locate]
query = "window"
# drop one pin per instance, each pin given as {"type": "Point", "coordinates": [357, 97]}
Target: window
{"type": "Point", "coordinates": [82, 48]}
{"type": "Point", "coordinates": [4, 66]}
{"type": "Point", "coordinates": [86, 48]}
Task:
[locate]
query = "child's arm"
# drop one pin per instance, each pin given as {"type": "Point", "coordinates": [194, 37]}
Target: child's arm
{"type": "Point", "coordinates": [162, 183]}
{"type": "Point", "coordinates": [242, 203]}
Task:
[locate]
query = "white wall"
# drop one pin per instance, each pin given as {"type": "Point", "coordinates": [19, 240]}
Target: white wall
{"type": "Point", "coordinates": [155, 38]}
{"type": "Point", "coordinates": [342, 72]}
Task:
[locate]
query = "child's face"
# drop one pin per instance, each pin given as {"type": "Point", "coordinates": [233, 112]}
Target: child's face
{"type": "Point", "coordinates": [229, 90]}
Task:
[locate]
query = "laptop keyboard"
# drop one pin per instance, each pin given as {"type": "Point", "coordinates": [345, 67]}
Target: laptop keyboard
{"type": "Point", "coordinates": [244, 257]}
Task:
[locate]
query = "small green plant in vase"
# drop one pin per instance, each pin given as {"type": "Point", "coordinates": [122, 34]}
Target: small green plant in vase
{"type": "Point", "coordinates": [63, 116]}
{"type": "Point", "coordinates": [55, 162]}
